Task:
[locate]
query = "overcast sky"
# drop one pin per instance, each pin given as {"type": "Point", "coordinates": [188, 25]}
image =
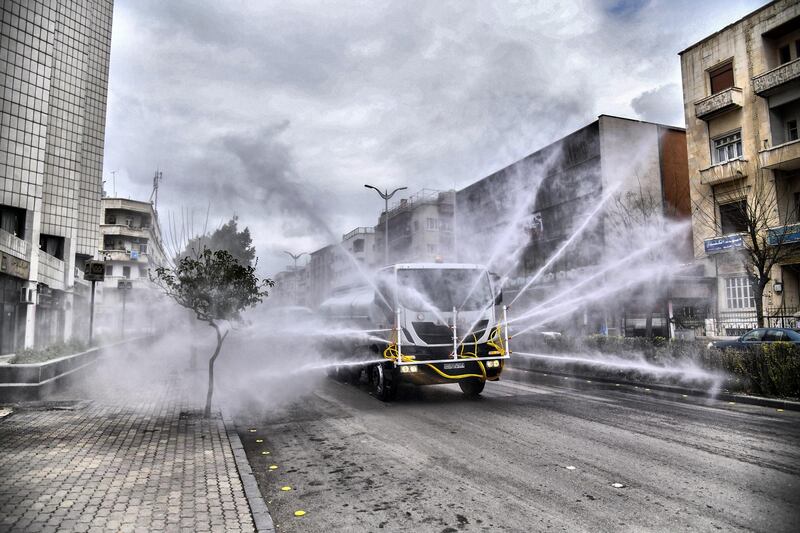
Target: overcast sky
{"type": "Point", "coordinates": [280, 111]}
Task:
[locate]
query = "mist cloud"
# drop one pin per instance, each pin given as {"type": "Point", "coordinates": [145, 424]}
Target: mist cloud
{"type": "Point", "coordinates": [279, 112]}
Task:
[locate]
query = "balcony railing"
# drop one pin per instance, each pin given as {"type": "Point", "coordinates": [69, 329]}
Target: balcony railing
{"type": "Point", "coordinates": [124, 255]}
{"type": "Point", "coordinates": [788, 234]}
{"type": "Point", "coordinates": [357, 231]}
{"type": "Point", "coordinates": [51, 271]}
{"type": "Point", "coordinates": [722, 172]}
{"type": "Point", "coordinates": [785, 156]}
{"type": "Point", "coordinates": [13, 245]}
{"type": "Point", "coordinates": [776, 79]}
{"type": "Point", "coordinates": [718, 103]}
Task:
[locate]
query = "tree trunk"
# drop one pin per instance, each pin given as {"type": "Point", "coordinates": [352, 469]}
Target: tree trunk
{"type": "Point", "coordinates": [759, 297]}
{"type": "Point", "coordinates": [220, 339]}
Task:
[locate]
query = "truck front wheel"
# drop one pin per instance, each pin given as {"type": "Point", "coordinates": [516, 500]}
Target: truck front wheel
{"type": "Point", "coordinates": [384, 384]}
{"type": "Point", "coordinates": [472, 386]}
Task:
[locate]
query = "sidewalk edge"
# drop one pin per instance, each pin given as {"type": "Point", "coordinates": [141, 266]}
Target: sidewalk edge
{"type": "Point", "coordinates": [776, 403]}
{"type": "Point", "coordinates": [258, 507]}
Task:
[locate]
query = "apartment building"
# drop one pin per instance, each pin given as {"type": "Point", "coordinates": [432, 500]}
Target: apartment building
{"type": "Point", "coordinates": [131, 245]}
{"type": "Point", "coordinates": [530, 209]}
{"type": "Point", "coordinates": [54, 57]}
{"type": "Point", "coordinates": [420, 228]}
{"type": "Point", "coordinates": [741, 90]}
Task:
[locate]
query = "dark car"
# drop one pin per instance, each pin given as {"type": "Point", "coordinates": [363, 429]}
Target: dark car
{"type": "Point", "coordinates": [759, 336]}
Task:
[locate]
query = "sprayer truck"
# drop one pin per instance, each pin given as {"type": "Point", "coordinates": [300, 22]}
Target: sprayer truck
{"type": "Point", "coordinates": [421, 323]}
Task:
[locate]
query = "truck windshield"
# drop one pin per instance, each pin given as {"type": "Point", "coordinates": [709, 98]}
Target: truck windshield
{"type": "Point", "coordinates": [442, 289]}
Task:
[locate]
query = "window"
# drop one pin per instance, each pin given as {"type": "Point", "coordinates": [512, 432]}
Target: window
{"type": "Point", "coordinates": [776, 335]}
{"type": "Point", "coordinates": [784, 54]}
{"type": "Point", "coordinates": [431, 248]}
{"type": "Point", "coordinates": [416, 225]}
{"type": "Point", "coordinates": [733, 217]}
{"type": "Point", "coordinates": [126, 271]}
{"type": "Point", "coordinates": [728, 147]}
{"type": "Point", "coordinates": [358, 245]}
{"type": "Point", "coordinates": [791, 130]}
{"type": "Point", "coordinates": [111, 219]}
{"type": "Point", "coordinates": [796, 207]}
{"type": "Point", "coordinates": [739, 293]}
{"type": "Point", "coordinates": [109, 270]}
{"type": "Point", "coordinates": [142, 272]}
{"type": "Point", "coordinates": [431, 223]}
{"type": "Point", "coordinates": [757, 335]}
{"type": "Point", "coordinates": [52, 245]}
{"type": "Point", "coordinates": [721, 78]}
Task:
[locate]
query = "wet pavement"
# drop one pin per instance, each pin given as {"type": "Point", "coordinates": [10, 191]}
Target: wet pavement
{"type": "Point", "coordinates": [527, 456]}
{"type": "Point", "coordinates": [125, 449]}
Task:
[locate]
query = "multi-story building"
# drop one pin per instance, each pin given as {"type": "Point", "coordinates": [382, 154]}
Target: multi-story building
{"type": "Point", "coordinates": [741, 91]}
{"type": "Point", "coordinates": [132, 247]}
{"type": "Point", "coordinates": [517, 218]}
{"type": "Point", "coordinates": [420, 228]}
{"type": "Point", "coordinates": [54, 57]}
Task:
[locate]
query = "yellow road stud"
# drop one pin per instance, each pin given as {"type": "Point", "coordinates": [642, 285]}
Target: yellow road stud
{"type": "Point", "coordinates": [287, 488]}
{"type": "Point", "coordinates": [299, 513]}
{"type": "Point", "coordinates": [252, 430]}
{"type": "Point", "coordinates": [265, 452]}
{"type": "Point", "coordinates": [780, 410]}
{"type": "Point", "coordinates": [273, 467]}
{"type": "Point", "coordinates": [259, 441]}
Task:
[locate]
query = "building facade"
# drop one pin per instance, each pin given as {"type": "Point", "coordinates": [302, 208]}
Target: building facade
{"type": "Point", "coordinates": [741, 90]}
{"type": "Point", "coordinates": [521, 216]}
{"type": "Point", "coordinates": [132, 247]}
{"type": "Point", "coordinates": [54, 56]}
{"type": "Point", "coordinates": [420, 228]}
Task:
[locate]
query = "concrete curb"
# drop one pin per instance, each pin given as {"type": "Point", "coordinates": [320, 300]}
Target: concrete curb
{"type": "Point", "coordinates": [775, 403]}
{"type": "Point", "coordinates": [258, 508]}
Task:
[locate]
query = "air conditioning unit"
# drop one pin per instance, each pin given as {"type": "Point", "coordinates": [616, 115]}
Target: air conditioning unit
{"type": "Point", "coordinates": [27, 296]}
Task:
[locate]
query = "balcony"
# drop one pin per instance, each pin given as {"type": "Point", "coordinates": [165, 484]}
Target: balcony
{"type": "Point", "coordinates": [785, 156]}
{"type": "Point", "coordinates": [718, 103]}
{"type": "Point", "coordinates": [124, 255]}
{"type": "Point", "coordinates": [777, 79]}
{"type": "Point", "coordinates": [722, 172]}
{"type": "Point", "coordinates": [122, 229]}
{"type": "Point", "coordinates": [723, 244]}
{"type": "Point", "coordinates": [51, 271]}
{"type": "Point", "coordinates": [789, 234]}
{"type": "Point", "coordinates": [13, 245]}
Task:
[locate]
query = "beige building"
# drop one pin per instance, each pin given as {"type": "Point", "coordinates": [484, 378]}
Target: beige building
{"type": "Point", "coordinates": [131, 245]}
{"type": "Point", "coordinates": [741, 89]}
{"type": "Point", "coordinates": [420, 229]}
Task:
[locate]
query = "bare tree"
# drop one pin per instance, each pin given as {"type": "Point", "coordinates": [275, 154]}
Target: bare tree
{"type": "Point", "coordinates": [750, 209]}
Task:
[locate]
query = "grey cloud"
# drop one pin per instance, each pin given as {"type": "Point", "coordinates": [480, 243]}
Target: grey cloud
{"type": "Point", "coordinates": [281, 111]}
{"type": "Point", "coordinates": [663, 105]}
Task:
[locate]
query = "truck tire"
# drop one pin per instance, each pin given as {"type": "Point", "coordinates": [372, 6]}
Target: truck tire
{"type": "Point", "coordinates": [384, 384]}
{"type": "Point", "coordinates": [472, 386]}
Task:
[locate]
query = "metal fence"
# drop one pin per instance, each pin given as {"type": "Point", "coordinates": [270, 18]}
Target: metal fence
{"type": "Point", "coordinates": [740, 322]}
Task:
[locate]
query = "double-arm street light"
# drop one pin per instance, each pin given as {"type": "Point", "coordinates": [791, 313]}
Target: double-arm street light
{"type": "Point", "coordinates": [386, 195]}
{"type": "Point", "coordinates": [295, 257]}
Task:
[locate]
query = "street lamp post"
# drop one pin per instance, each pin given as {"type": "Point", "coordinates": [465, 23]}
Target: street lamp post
{"type": "Point", "coordinates": [295, 257]}
{"type": "Point", "coordinates": [386, 195]}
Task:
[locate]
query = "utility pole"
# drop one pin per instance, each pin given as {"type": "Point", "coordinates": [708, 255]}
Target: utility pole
{"type": "Point", "coordinates": [386, 195]}
{"type": "Point", "coordinates": [124, 286]}
{"type": "Point", "coordinates": [157, 177]}
{"type": "Point", "coordinates": [295, 257]}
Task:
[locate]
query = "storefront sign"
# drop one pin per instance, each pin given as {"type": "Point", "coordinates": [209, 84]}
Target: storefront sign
{"type": "Point", "coordinates": [784, 235]}
{"type": "Point", "coordinates": [722, 244]}
{"type": "Point", "coordinates": [14, 266]}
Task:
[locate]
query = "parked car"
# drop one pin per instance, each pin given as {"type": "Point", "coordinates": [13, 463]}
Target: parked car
{"type": "Point", "coordinates": [758, 337]}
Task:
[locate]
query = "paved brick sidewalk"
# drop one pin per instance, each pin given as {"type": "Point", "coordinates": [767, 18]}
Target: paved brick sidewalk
{"type": "Point", "coordinates": [135, 465]}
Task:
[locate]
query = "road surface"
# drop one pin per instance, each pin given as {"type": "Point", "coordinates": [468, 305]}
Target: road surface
{"type": "Point", "coordinates": [541, 455]}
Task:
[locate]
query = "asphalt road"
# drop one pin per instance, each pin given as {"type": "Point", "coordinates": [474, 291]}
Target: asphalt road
{"type": "Point", "coordinates": [527, 456]}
